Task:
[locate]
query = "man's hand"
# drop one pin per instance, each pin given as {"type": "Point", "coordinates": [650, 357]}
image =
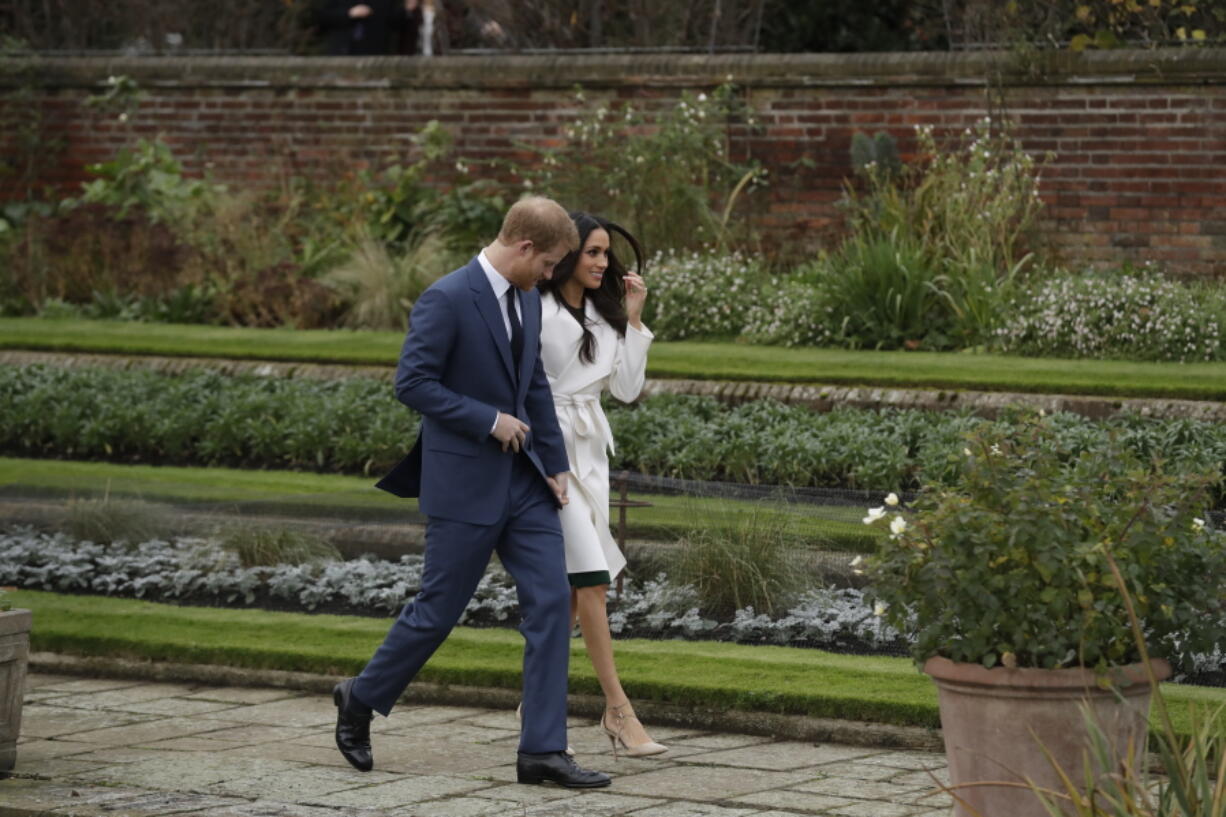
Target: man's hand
{"type": "Point", "coordinates": [510, 431]}
{"type": "Point", "coordinates": [557, 483]}
{"type": "Point", "coordinates": [359, 12]}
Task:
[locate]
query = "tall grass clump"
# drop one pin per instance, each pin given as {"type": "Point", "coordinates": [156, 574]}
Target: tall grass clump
{"type": "Point", "coordinates": [263, 546]}
{"type": "Point", "coordinates": [106, 521]}
{"type": "Point", "coordinates": [740, 562]}
{"type": "Point", "coordinates": [379, 286]}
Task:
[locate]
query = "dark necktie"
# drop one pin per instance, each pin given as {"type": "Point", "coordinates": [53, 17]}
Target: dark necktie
{"type": "Point", "coordinates": [517, 330]}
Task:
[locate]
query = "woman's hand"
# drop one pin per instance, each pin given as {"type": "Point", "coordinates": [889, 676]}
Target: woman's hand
{"type": "Point", "coordinates": [636, 296]}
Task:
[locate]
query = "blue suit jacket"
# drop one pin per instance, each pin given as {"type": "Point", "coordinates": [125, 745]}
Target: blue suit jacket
{"type": "Point", "coordinates": [455, 370]}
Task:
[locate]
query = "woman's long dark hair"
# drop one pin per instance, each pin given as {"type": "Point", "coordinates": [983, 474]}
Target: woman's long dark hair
{"type": "Point", "coordinates": [609, 297]}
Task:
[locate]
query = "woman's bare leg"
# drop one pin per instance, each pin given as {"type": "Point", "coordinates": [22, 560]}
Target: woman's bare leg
{"type": "Point", "coordinates": [589, 605]}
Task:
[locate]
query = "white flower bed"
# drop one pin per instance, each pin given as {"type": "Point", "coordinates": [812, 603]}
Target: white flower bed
{"type": "Point", "coordinates": [1137, 316]}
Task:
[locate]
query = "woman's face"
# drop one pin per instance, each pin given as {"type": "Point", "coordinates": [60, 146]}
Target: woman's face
{"type": "Point", "coordinates": [593, 259]}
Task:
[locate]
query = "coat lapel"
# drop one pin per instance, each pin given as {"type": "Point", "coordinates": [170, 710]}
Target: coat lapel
{"type": "Point", "coordinates": [576, 375]}
{"type": "Point", "coordinates": [487, 306]}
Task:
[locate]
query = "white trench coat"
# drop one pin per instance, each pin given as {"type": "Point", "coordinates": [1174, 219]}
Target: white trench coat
{"type": "Point", "coordinates": [621, 367]}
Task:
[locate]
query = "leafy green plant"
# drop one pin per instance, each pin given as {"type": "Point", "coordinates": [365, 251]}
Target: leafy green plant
{"type": "Point", "coordinates": [1013, 560]}
{"type": "Point", "coordinates": [1193, 765]}
{"type": "Point", "coordinates": [107, 521]}
{"type": "Point", "coordinates": [149, 179]}
{"type": "Point", "coordinates": [5, 602]}
{"type": "Point", "coordinates": [738, 563]}
{"type": "Point", "coordinates": [263, 546]}
{"type": "Point", "coordinates": [666, 174]}
{"type": "Point", "coordinates": [355, 425]}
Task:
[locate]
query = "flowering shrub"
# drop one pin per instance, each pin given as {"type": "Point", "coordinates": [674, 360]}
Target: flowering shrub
{"type": "Point", "coordinates": [936, 246]}
{"type": "Point", "coordinates": [1138, 315]}
{"type": "Point", "coordinates": [790, 312]}
{"type": "Point", "coordinates": [704, 294]}
{"type": "Point", "coordinates": [974, 200]}
{"type": "Point", "coordinates": [1019, 559]}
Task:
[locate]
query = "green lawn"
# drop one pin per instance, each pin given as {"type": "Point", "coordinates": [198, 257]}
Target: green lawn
{"type": "Point", "coordinates": [717, 361]}
{"type": "Point", "coordinates": [727, 676]}
{"type": "Point", "coordinates": [314, 495]}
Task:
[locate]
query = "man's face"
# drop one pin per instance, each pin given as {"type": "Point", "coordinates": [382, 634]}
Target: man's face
{"type": "Point", "coordinates": [533, 266]}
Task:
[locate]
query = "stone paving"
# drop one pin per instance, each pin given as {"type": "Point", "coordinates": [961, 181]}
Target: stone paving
{"type": "Point", "coordinates": [93, 747]}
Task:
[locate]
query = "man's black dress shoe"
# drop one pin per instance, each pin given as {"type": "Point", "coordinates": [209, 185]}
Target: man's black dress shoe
{"type": "Point", "coordinates": [353, 727]}
{"type": "Point", "coordinates": [557, 767]}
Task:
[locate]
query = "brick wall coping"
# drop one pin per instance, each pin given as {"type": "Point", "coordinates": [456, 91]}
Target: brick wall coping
{"type": "Point", "coordinates": [1173, 66]}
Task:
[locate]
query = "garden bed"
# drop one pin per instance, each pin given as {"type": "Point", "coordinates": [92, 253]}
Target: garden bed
{"type": "Point", "coordinates": [682, 359]}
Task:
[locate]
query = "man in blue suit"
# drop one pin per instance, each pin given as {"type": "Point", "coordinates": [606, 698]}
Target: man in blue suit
{"type": "Point", "coordinates": [490, 469]}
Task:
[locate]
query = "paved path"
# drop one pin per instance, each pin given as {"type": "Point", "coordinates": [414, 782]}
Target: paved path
{"type": "Point", "coordinates": [94, 747]}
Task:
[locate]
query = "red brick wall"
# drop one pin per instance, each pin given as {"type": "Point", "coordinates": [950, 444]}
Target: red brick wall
{"type": "Point", "coordinates": [1139, 137]}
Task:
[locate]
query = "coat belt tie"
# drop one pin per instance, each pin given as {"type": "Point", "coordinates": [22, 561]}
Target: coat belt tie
{"type": "Point", "coordinates": [590, 425]}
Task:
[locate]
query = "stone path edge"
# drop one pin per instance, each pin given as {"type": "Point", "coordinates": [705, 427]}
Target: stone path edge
{"type": "Point", "coordinates": [789, 727]}
{"type": "Point", "coordinates": [816, 396]}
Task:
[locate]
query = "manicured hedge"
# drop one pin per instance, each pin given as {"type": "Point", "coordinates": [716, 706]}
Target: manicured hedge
{"type": "Point", "coordinates": [357, 426]}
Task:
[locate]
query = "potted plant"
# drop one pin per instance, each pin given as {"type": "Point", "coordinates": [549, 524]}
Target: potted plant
{"type": "Point", "coordinates": [14, 653]}
{"type": "Point", "coordinates": [1009, 576]}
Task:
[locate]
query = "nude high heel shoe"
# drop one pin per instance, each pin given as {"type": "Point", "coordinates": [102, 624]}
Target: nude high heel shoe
{"type": "Point", "coordinates": [645, 749]}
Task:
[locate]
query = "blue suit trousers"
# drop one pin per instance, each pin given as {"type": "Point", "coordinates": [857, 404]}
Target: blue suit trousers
{"type": "Point", "coordinates": [528, 540]}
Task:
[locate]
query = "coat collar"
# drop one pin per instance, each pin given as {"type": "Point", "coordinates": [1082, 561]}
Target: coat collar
{"type": "Point", "coordinates": [563, 330]}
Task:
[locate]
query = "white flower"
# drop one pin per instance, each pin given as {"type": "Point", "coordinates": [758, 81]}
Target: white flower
{"type": "Point", "coordinates": [966, 451]}
{"type": "Point", "coordinates": [123, 117]}
{"type": "Point", "coordinates": [856, 561]}
{"type": "Point", "coordinates": [892, 499]}
{"type": "Point", "coordinates": [702, 97]}
{"type": "Point", "coordinates": [1198, 524]}
{"type": "Point", "coordinates": [898, 525]}
{"type": "Point", "coordinates": [460, 166]}
{"type": "Point", "coordinates": [879, 609]}
{"type": "Point", "coordinates": [996, 449]}
{"type": "Point", "coordinates": [874, 514]}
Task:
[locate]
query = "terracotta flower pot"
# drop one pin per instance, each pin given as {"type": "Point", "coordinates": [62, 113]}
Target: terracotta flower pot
{"type": "Point", "coordinates": [14, 655]}
{"type": "Point", "coordinates": [994, 721]}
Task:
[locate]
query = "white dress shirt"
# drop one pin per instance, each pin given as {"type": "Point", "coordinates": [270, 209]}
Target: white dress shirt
{"type": "Point", "coordinates": [500, 285]}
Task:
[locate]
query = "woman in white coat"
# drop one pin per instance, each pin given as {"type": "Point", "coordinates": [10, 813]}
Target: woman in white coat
{"type": "Point", "coordinates": [593, 339]}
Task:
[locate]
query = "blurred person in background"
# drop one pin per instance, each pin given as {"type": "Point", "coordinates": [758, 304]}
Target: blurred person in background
{"type": "Point", "coordinates": [371, 28]}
